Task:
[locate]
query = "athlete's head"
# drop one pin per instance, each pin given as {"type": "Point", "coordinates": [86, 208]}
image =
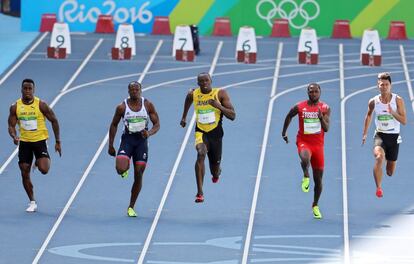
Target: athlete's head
{"type": "Point", "coordinates": [384, 82]}
{"type": "Point", "coordinates": [134, 90]}
{"type": "Point", "coordinates": [204, 80]}
{"type": "Point", "coordinates": [28, 87]}
{"type": "Point", "coordinates": [314, 92]}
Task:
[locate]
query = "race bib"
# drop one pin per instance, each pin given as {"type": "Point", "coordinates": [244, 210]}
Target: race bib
{"type": "Point", "coordinates": [136, 124]}
{"type": "Point", "coordinates": [206, 116]}
{"type": "Point", "coordinates": [385, 122]}
{"type": "Point", "coordinates": [311, 125]}
{"type": "Point", "coordinates": [30, 124]}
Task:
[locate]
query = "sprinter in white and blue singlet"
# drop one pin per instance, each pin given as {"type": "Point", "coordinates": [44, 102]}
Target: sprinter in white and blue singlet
{"type": "Point", "coordinates": [390, 112]}
{"type": "Point", "coordinates": [135, 112]}
{"type": "Point", "coordinates": [210, 104]}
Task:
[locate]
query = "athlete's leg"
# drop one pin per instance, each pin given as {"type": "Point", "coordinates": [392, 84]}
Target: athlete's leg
{"type": "Point", "coordinates": [199, 166]}
{"type": "Point", "coordinates": [379, 156]}
{"type": "Point", "coordinates": [122, 164]}
{"type": "Point", "coordinates": [27, 183]}
{"type": "Point", "coordinates": [43, 164]}
{"type": "Point", "coordinates": [305, 156]}
{"type": "Point", "coordinates": [214, 157]}
{"type": "Point", "coordinates": [139, 168]}
{"type": "Point", "coordinates": [391, 167]}
{"type": "Point", "coordinates": [317, 178]}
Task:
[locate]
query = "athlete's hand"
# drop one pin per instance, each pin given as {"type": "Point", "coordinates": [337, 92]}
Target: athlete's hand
{"type": "Point", "coordinates": [183, 123]}
{"type": "Point", "coordinates": [390, 109]}
{"type": "Point", "coordinates": [364, 138]}
{"type": "Point", "coordinates": [16, 140]}
{"type": "Point", "coordinates": [111, 151]}
{"type": "Point", "coordinates": [214, 103]}
{"type": "Point", "coordinates": [285, 138]}
{"type": "Point", "coordinates": [145, 133]}
{"type": "Point", "coordinates": [58, 148]}
{"type": "Point", "coordinates": [320, 114]}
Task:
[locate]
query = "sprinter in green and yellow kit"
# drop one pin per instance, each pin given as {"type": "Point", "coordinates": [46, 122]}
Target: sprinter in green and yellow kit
{"type": "Point", "coordinates": [210, 104]}
{"type": "Point", "coordinates": [30, 114]}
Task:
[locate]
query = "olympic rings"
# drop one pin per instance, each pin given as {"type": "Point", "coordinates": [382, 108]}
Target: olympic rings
{"type": "Point", "coordinates": [298, 10]}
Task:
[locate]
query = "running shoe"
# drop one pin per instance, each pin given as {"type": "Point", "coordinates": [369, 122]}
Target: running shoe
{"type": "Point", "coordinates": [199, 198]}
{"type": "Point", "coordinates": [32, 207]}
{"type": "Point", "coordinates": [131, 212]}
{"type": "Point", "coordinates": [316, 212]}
{"type": "Point", "coordinates": [305, 184]}
{"type": "Point", "coordinates": [215, 179]}
{"type": "Point", "coordinates": [379, 193]}
{"type": "Point", "coordinates": [124, 175]}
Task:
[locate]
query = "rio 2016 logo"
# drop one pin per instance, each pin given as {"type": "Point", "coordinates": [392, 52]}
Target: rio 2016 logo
{"type": "Point", "coordinates": [299, 15]}
{"type": "Point", "coordinates": [71, 11]}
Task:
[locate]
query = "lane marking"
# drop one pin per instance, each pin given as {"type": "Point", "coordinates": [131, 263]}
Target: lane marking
{"type": "Point", "coordinates": [23, 58]}
{"type": "Point", "coordinates": [85, 174]}
{"type": "Point", "coordinates": [175, 167]}
{"type": "Point", "coordinates": [346, 255]}
{"type": "Point", "coordinates": [261, 161]}
{"type": "Point", "coordinates": [407, 76]}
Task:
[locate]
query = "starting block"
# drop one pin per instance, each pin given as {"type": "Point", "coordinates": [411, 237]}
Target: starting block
{"type": "Point", "coordinates": [308, 49]}
{"type": "Point", "coordinates": [161, 26]}
{"type": "Point", "coordinates": [184, 55]}
{"type": "Point", "coordinates": [56, 53]}
{"type": "Point", "coordinates": [183, 47]}
{"type": "Point", "coordinates": [47, 22]}
{"type": "Point", "coordinates": [121, 54]}
{"type": "Point", "coordinates": [397, 31]}
{"type": "Point", "coordinates": [370, 48]}
{"type": "Point", "coordinates": [60, 44]}
{"type": "Point", "coordinates": [124, 47]}
{"type": "Point", "coordinates": [105, 24]}
{"type": "Point", "coordinates": [341, 29]}
{"type": "Point", "coordinates": [280, 28]}
{"type": "Point", "coordinates": [222, 27]}
{"type": "Point", "coordinates": [246, 48]}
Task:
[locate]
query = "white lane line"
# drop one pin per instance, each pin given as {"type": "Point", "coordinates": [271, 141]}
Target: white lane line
{"type": "Point", "coordinates": [64, 89]}
{"type": "Point", "coordinates": [174, 170]}
{"type": "Point", "coordinates": [74, 76]}
{"type": "Point", "coordinates": [346, 255]}
{"type": "Point", "coordinates": [261, 161]}
{"type": "Point", "coordinates": [82, 180]}
{"type": "Point", "coordinates": [23, 58]}
{"type": "Point", "coordinates": [407, 76]}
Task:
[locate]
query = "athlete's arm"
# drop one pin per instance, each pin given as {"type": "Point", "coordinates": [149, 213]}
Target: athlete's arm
{"type": "Point", "coordinates": [400, 114]}
{"type": "Point", "coordinates": [367, 120]}
{"type": "Point", "coordinates": [225, 105]}
{"type": "Point", "coordinates": [50, 115]}
{"type": "Point", "coordinates": [154, 119]}
{"type": "Point", "coordinates": [119, 112]}
{"type": "Point", "coordinates": [187, 103]}
{"type": "Point", "coordinates": [12, 120]}
{"type": "Point", "coordinates": [324, 118]}
{"type": "Point", "coordinates": [292, 112]}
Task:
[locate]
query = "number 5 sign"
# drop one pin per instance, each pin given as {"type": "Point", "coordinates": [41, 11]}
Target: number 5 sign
{"type": "Point", "coordinates": [61, 37]}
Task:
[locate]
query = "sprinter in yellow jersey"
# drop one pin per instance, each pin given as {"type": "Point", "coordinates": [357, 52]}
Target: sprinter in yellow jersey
{"type": "Point", "coordinates": [210, 104]}
{"type": "Point", "coordinates": [29, 113]}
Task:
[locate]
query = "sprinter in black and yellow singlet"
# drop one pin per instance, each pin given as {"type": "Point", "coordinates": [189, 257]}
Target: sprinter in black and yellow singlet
{"type": "Point", "coordinates": [136, 112]}
{"type": "Point", "coordinates": [210, 104]}
{"type": "Point", "coordinates": [30, 114]}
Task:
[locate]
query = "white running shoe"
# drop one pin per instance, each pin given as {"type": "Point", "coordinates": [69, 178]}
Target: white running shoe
{"type": "Point", "coordinates": [32, 207]}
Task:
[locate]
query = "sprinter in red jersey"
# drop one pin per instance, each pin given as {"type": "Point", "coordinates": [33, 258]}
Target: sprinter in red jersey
{"type": "Point", "coordinates": [313, 123]}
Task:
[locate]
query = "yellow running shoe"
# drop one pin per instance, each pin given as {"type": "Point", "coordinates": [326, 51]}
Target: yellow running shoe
{"type": "Point", "coordinates": [316, 213]}
{"type": "Point", "coordinates": [124, 175]}
{"type": "Point", "coordinates": [131, 212]}
{"type": "Point", "coordinates": [305, 184]}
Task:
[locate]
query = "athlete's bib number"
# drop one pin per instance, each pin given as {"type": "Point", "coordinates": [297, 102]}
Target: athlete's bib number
{"type": "Point", "coordinates": [136, 124]}
{"type": "Point", "coordinates": [385, 122]}
{"type": "Point", "coordinates": [29, 125]}
{"type": "Point", "coordinates": [206, 117]}
{"type": "Point", "coordinates": [311, 125]}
